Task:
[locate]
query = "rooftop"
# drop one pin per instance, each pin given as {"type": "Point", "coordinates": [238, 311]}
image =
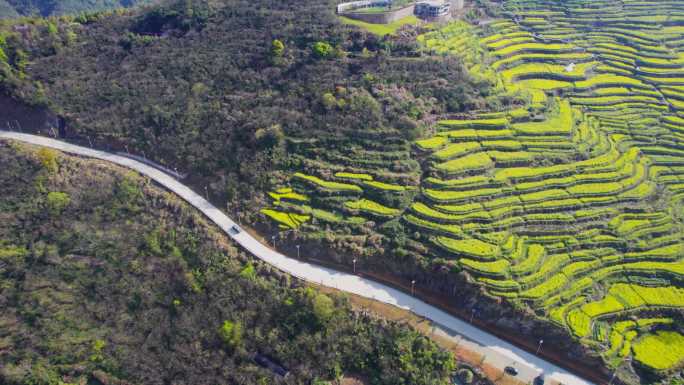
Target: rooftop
{"type": "Point", "coordinates": [433, 3]}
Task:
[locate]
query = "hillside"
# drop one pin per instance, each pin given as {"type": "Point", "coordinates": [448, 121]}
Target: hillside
{"type": "Point", "coordinates": [576, 216]}
{"type": "Point", "coordinates": [236, 114]}
{"type": "Point", "coordinates": [122, 282]}
{"type": "Point", "coordinates": [14, 8]}
{"type": "Point", "coordinates": [7, 10]}
{"type": "Point", "coordinates": [527, 169]}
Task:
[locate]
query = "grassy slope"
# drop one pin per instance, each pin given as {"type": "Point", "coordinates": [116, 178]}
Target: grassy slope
{"type": "Point", "coordinates": [124, 281]}
{"type": "Point", "coordinates": [381, 29]}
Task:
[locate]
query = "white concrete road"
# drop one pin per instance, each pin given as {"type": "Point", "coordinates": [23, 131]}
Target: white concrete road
{"type": "Point", "coordinates": [498, 352]}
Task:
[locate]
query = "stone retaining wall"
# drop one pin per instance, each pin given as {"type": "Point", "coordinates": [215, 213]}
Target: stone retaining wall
{"type": "Point", "coordinates": [381, 18]}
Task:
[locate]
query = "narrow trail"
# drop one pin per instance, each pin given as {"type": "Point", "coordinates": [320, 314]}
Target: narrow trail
{"type": "Point", "coordinates": [497, 352]}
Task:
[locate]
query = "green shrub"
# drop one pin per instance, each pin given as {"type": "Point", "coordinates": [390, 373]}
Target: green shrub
{"type": "Point", "coordinates": [323, 307]}
{"type": "Point", "coordinates": [153, 242]}
{"type": "Point", "coordinates": [127, 190]}
{"type": "Point", "coordinates": [322, 50]}
{"type": "Point", "coordinates": [57, 202]}
{"type": "Point", "coordinates": [97, 347]}
{"type": "Point", "coordinates": [48, 158]}
{"type": "Point", "coordinates": [231, 334]}
{"type": "Point", "coordinates": [270, 137]}
{"type": "Point", "coordinates": [249, 272]}
{"type": "Point", "coordinates": [329, 100]}
{"type": "Point", "coordinates": [277, 48]}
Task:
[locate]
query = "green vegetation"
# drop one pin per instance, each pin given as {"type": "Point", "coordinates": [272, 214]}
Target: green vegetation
{"type": "Point", "coordinates": [473, 162]}
{"type": "Point", "coordinates": [322, 50]}
{"type": "Point", "coordinates": [431, 143]}
{"type": "Point", "coordinates": [231, 334]}
{"type": "Point", "coordinates": [371, 207]}
{"type": "Point", "coordinates": [471, 247]}
{"type": "Point", "coordinates": [289, 220]}
{"type": "Point", "coordinates": [536, 166]}
{"type": "Point", "coordinates": [662, 351]}
{"type": "Point", "coordinates": [351, 175]}
{"type": "Point", "coordinates": [549, 192]}
{"type": "Point", "coordinates": [287, 194]}
{"type": "Point", "coordinates": [48, 158]}
{"type": "Point", "coordinates": [371, 10]}
{"type": "Point", "coordinates": [323, 307]}
{"type": "Point", "coordinates": [326, 184]}
{"type": "Point", "coordinates": [381, 29]}
{"type": "Point", "coordinates": [57, 202]}
{"type": "Point", "coordinates": [98, 298]}
{"type": "Point", "coordinates": [14, 8]}
{"type": "Point", "coordinates": [277, 49]}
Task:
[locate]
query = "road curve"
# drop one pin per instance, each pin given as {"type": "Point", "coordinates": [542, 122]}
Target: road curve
{"type": "Point", "coordinates": [497, 351]}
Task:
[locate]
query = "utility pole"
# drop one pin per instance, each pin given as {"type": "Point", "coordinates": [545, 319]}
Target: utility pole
{"type": "Point", "coordinates": [90, 142]}
{"type": "Point", "coordinates": [472, 314]}
{"type": "Point", "coordinates": [413, 287]}
{"type": "Point", "coordinates": [297, 251]}
{"type": "Point", "coordinates": [354, 263]}
{"type": "Point", "coordinates": [539, 346]}
{"type": "Point", "coordinates": [206, 192]}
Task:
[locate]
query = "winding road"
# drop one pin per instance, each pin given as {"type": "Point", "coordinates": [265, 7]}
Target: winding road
{"type": "Point", "coordinates": [497, 352]}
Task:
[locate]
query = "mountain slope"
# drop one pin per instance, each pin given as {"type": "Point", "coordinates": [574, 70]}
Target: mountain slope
{"type": "Point", "coordinates": [13, 8]}
{"type": "Point", "coordinates": [7, 10]}
{"type": "Point", "coordinates": [123, 282]}
{"type": "Point", "coordinates": [543, 194]}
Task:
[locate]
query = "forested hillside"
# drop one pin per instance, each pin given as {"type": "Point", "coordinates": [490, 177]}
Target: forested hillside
{"type": "Point", "coordinates": [106, 279]}
{"type": "Point", "coordinates": [7, 10]}
{"type": "Point", "coordinates": [14, 8]}
{"type": "Point", "coordinates": [239, 95]}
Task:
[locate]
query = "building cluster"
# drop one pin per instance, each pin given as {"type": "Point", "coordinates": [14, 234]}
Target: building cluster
{"type": "Point", "coordinates": [430, 10]}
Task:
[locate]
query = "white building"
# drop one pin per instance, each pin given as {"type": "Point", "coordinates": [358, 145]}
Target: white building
{"type": "Point", "coordinates": [432, 9]}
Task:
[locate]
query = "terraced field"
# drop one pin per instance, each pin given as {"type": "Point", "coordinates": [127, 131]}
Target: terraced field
{"type": "Point", "coordinates": [571, 203]}
{"type": "Point", "coordinates": [374, 179]}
